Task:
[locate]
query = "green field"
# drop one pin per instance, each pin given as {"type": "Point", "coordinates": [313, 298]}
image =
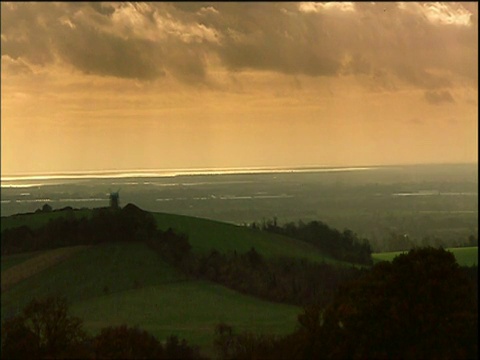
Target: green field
{"type": "Point", "coordinates": [466, 256]}
{"type": "Point", "coordinates": [93, 272]}
{"type": "Point", "coordinates": [12, 260]}
{"type": "Point", "coordinates": [127, 283]}
{"type": "Point", "coordinates": [205, 235]}
{"type": "Point", "coordinates": [35, 264]}
{"type": "Point", "coordinates": [189, 310]}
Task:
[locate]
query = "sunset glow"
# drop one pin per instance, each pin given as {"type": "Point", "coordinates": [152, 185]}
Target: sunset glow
{"type": "Point", "coordinates": [118, 86]}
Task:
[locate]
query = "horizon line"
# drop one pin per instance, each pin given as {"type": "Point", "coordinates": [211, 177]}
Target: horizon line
{"type": "Point", "coordinates": [115, 173]}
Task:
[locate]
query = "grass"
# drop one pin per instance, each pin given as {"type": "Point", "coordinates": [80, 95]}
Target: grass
{"type": "Point", "coordinates": [466, 256]}
{"type": "Point", "coordinates": [146, 292]}
{"type": "Point", "coordinates": [190, 310]}
{"type": "Point", "coordinates": [36, 264]}
{"type": "Point", "coordinates": [95, 271]}
{"type": "Point", "coordinates": [205, 235]}
{"type": "Point", "coordinates": [12, 260]}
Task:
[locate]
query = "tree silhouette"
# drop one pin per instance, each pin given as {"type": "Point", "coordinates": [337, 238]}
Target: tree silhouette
{"type": "Point", "coordinates": [419, 306]}
{"type": "Point", "coordinates": [43, 330]}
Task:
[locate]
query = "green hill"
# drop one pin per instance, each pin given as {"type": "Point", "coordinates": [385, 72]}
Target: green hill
{"type": "Point", "coordinates": [203, 234]}
{"type": "Point", "coordinates": [118, 283]}
{"type": "Point", "coordinates": [115, 283]}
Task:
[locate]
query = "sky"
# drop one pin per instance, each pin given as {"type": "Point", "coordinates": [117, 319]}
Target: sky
{"type": "Point", "coordinates": [117, 86]}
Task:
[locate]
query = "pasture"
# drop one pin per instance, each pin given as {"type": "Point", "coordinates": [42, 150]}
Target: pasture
{"type": "Point", "coordinates": [205, 235]}
{"type": "Point", "coordinates": [189, 309]}
{"type": "Point", "coordinates": [128, 283]}
{"type": "Point", "coordinates": [35, 264]}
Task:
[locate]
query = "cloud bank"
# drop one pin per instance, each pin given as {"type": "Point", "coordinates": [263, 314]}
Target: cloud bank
{"type": "Point", "coordinates": [430, 46]}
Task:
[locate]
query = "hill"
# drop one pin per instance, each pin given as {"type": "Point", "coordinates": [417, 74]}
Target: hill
{"type": "Point", "coordinates": [204, 235]}
{"type": "Point", "coordinates": [110, 284]}
{"type": "Point", "coordinates": [127, 282]}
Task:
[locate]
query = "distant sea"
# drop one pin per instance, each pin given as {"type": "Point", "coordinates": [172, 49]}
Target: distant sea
{"type": "Point", "coordinates": [8, 181]}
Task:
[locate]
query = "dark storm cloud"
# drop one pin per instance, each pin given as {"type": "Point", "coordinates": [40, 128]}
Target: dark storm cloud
{"type": "Point", "coordinates": [422, 45]}
{"type": "Point", "coordinates": [439, 97]}
{"type": "Point", "coordinates": [100, 53]}
{"type": "Point", "coordinates": [89, 37]}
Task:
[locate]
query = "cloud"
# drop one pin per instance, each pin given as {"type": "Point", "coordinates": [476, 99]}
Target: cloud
{"type": "Point", "coordinates": [390, 44]}
{"type": "Point", "coordinates": [438, 13]}
{"type": "Point", "coordinates": [15, 67]}
{"type": "Point", "coordinates": [316, 7]}
{"type": "Point", "coordinates": [439, 97]}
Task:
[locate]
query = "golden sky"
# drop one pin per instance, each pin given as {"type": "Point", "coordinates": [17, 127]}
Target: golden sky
{"type": "Point", "coordinates": [113, 86]}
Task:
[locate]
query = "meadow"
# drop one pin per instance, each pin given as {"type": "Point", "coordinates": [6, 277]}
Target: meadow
{"type": "Point", "coordinates": [112, 284]}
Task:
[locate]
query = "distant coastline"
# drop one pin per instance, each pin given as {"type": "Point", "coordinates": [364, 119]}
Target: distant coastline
{"type": "Point", "coordinates": [176, 172]}
{"type": "Point", "coordinates": [11, 180]}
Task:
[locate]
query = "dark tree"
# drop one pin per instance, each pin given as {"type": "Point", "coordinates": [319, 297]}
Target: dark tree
{"type": "Point", "coordinates": [44, 330]}
{"type": "Point", "coordinates": [18, 341]}
{"type": "Point", "coordinates": [179, 349]}
{"type": "Point", "coordinates": [123, 342]}
{"type": "Point", "coordinates": [419, 306]}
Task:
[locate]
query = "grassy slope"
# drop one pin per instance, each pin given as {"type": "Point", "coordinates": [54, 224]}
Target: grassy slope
{"type": "Point", "coordinates": [189, 310]}
{"type": "Point", "coordinates": [118, 267]}
{"type": "Point", "coordinates": [205, 235]}
{"type": "Point", "coordinates": [145, 291]}
{"type": "Point", "coordinates": [12, 260]}
{"type": "Point", "coordinates": [36, 264]}
{"type": "Point", "coordinates": [466, 256]}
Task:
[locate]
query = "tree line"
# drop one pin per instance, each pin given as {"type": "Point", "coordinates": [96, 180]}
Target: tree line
{"type": "Point", "coordinates": [346, 245]}
{"type": "Point", "coordinates": [129, 224]}
{"type": "Point", "coordinates": [285, 280]}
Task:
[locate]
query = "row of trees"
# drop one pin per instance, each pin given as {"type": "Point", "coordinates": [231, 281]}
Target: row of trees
{"type": "Point", "coordinates": [45, 330]}
{"type": "Point", "coordinates": [103, 225]}
{"type": "Point", "coordinates": [346, 245]}
{"type": "Point", "coordinates": [286, 280]}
